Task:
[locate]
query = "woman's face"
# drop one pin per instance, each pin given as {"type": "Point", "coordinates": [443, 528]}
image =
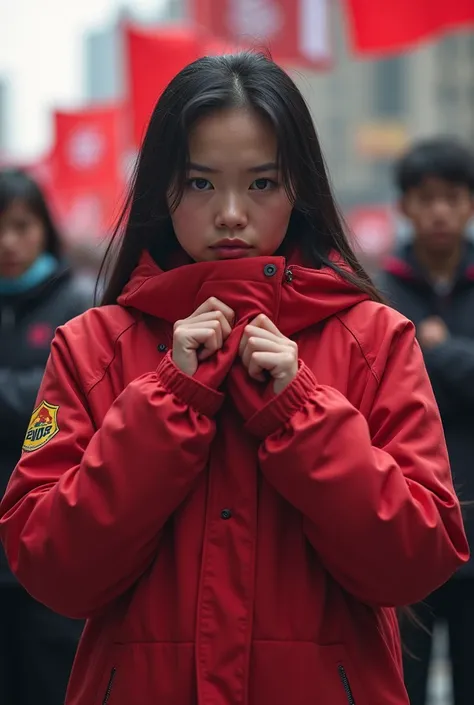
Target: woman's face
{"type": "Point", "coordinates": [22, 239]}
{"type": "Point", "coordinates": [234, 204]}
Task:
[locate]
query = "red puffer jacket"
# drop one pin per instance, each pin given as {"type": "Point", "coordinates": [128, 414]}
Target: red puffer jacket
{"type": "Point", "coordinates": [229, 547]}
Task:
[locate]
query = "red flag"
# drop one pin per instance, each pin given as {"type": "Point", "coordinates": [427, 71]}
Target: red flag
{"type": "Point", "coordinates": [154, 57]}
{"type": "Point", "coordinates": [88, 213]}
{"type": "Point", "coordinates": [295, 31]}
{"type": "Point", "coordinates": [87, 167]}
{"type": "Point", "coordinates": [89, 148]}
{"type": "Point", "coordinates": [401, 23]}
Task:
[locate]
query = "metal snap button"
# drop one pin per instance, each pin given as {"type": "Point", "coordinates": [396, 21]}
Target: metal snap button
{"type": "Point", "coordinates": [226, 514]}
{"type": "Point", "coordinates": [269, 270]}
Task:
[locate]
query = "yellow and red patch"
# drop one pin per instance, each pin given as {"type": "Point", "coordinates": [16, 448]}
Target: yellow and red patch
{"type": "Point", "coordinates": [42, 428]}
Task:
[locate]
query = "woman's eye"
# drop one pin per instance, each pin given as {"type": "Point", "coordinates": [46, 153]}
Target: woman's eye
{"type": "Point", "coordinates": [199, 184]}
{"type": "Point", "coordinates": [263, 185]}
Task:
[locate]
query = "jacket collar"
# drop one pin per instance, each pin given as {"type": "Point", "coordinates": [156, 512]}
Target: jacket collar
{"type": "Point", "coordinates": [293, 296]}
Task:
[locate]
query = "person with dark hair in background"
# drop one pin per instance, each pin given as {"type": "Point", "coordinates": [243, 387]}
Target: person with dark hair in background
{"type": "Point", "coordinates": [249, 471]}
{"type": "Point", "coordinates": [431, 281]}
{"type": "Point", "coordinates": [37, 294]}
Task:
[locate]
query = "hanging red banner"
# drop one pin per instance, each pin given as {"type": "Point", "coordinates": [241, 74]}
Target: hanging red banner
{"type": "Point", "coordinates": [295, 31]}
{"type": "Point", "coordinates": [87, 180]}
{"type": "Point", "coordinates": [89, 147]}
{"type": "Point", "coordinates": [154, 57]}
{"type": "Point", "coordinates": [402, 23]}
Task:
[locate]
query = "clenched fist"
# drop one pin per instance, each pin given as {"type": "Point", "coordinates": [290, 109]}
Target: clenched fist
{"type": "Point", "coordinates": [198, 337]}
{"type": "Point", "coordinates": [264, 349]}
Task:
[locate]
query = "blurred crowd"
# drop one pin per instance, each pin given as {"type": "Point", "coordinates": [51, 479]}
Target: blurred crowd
{"type": "Point", "coordinates": [429, 277]}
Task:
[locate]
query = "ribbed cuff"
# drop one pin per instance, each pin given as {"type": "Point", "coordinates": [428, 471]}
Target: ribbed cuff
{"type": "Point", "coordinates": [203, 399]}
{"type": "Point", "coordinates": [281, 408]}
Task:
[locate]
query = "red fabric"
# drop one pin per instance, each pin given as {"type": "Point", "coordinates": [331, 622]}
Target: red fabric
{"type": "Point", "coordinates": [404, 22]}
{"type": "Point", "coordinates": [154, 57]}
{"type": "Point", "coordinates": [86, 180]}
{"type": "Point", "coordinates": [339, 490]}
{"type": "Point", "coordinates": [88, 212]}
{"type": "Point", "coordinates": [89, 148]}
{"type": "Point", "coordinates": [295, 31]}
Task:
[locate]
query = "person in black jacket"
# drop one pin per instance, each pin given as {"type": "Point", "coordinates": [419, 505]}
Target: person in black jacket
{"type": "Point", "coordinates": [431, 281]}
{"type": "Point", "coordinates": [37, 294]}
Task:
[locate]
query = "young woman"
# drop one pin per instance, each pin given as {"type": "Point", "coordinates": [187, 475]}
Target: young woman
{"type": "Point", "coordinates": [38, 293]}
{"type": "Point", "coordinates": [243, 469]}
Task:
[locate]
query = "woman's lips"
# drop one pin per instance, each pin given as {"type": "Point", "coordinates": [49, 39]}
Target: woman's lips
{"type": "Point", "coordinates": [226, 252]}
{"type": "Point", "coordinates": [231, 249]}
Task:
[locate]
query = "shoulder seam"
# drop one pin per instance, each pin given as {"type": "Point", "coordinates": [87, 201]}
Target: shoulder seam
{"type": "Point", "coordinates": [359, 345]}
{"type": "Point", "coordinates": [99, 379]}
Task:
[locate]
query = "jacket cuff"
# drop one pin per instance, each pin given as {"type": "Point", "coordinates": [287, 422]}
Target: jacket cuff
{"type": "Point", "coordinates": [203, 399]}
{"type": "Point", "coordinates": [279, 410]}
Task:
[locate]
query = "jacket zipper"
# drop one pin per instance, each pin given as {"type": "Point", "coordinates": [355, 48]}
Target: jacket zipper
{"type": "Point", "coordinates": [288, 275]}
{"type": "Point", "coordinates": [346, 684]}
{"type": "Point", "coordinates": [110, 684]}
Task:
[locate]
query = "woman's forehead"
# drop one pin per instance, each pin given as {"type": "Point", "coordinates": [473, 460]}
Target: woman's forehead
{"type": "Point", "coordinates": [240, 136]}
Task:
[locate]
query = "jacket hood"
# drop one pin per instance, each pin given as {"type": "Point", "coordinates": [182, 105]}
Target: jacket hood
{"type": "Point", "coordinates": [293, 296]}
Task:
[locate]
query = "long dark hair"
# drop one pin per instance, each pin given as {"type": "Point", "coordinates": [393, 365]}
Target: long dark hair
{"type": "Point", "coordinates": [18, 185]}
{"type": "Point", "coordinates": [246, 79]}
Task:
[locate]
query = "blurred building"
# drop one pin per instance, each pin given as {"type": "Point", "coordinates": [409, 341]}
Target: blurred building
{"type": "Point", "coordinates": [367, 111]}
{"type": "Point", "coordinates": [103, 65]}
{"type": "Point", "coordinates": [104, 69]}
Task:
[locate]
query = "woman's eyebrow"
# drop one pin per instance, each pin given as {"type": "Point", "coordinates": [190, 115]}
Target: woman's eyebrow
{"type": "Point", "coordinates": [200, 167]}
{"type": "Point", "coordinates": [268, 166]}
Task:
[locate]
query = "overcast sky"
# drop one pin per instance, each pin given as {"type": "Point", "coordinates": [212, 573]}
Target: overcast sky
{"type": "Point", "coordinates": [41, 57]}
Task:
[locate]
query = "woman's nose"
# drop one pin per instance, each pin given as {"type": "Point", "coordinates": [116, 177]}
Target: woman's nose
{"type": "Point", "coordinates": [232, 213]}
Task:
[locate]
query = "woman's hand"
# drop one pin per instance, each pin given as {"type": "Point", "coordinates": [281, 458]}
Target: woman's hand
{"type": "Point", "coordinates": [198, 337]}
{"type": "Point", "coordinates": [264, 349]}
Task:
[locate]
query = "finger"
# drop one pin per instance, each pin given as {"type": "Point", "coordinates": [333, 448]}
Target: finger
{"type": "Point", "coordinates": [252, 331]}
{"type": "Point", "coordinates": [219, 316]}
{"type": "Point", "coordinates": [210, 341]}
{"type": "Point", "coordinates": [188, 329]}
{"type": "Point", "coordinates": [205, 317]}
{"type": "Point", "coordinates": [213, 304]}
{"type": "Point", "coordinates": [214, 318]}
{"type": "Point", "coordinates": [263, 322]}
{"type": "Point", "coordinates": [193, 336]}
{"type": "Point", "coordinates": [243, 344]}
{"type": "Point", "coordinates": [259, 345]}
{"type": "Point", "coordinates": [278, 364]}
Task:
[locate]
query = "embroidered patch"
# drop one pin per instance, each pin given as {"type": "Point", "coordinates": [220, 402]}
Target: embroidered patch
{"type": "Point", "coordinates": [43, 426]}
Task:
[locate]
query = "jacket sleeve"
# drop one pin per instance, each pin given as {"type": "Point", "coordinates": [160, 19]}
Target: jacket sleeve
{"type": "Point", "coordinates": [451, 365]}
{"type": "Point", "coordinates": [376, 494]}
{"type": "Point", "coordinates": [82, 515]}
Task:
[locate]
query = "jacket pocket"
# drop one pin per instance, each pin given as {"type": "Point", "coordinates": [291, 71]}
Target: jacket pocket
{"type": "Point", "coordinates": [152, 672]}
{"type": "Point", "coordinates": [110, 685]}
{"type": "Point", "coordinates": [300, 673]}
